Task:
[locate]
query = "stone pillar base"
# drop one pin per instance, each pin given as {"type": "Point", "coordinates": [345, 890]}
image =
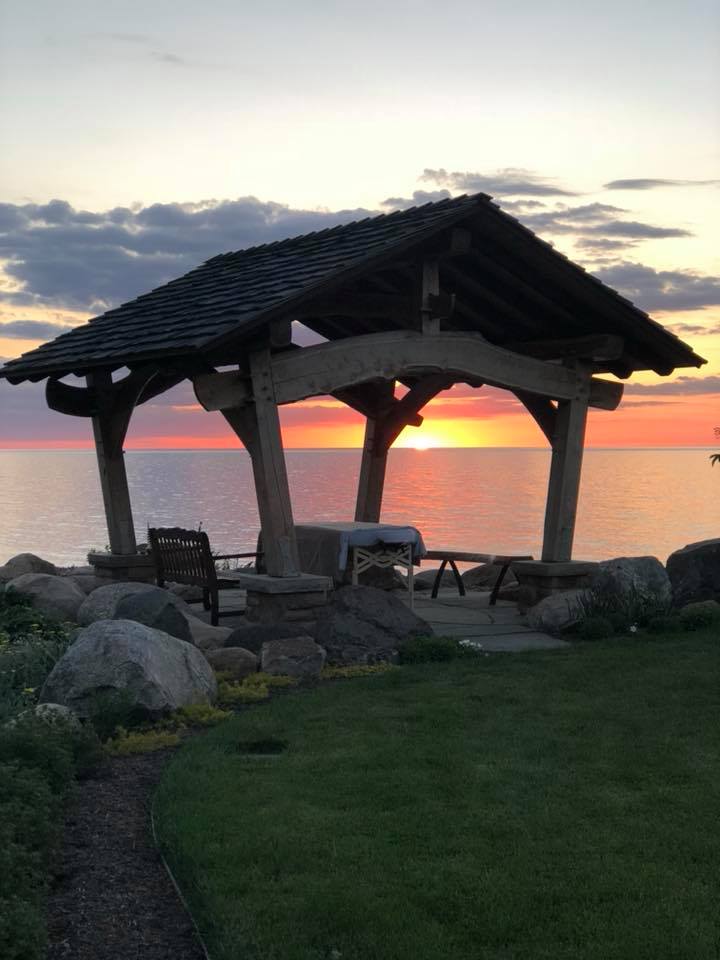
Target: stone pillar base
{"type": "Point", "coordinates": [120, 566]}
{"type": "Point", "coordinates": [539, 578]}
{"type": "Point", "coordinates": [284, 599]}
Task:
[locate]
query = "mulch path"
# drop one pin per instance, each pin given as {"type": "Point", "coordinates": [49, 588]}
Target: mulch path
{"type": "Point", "coordinates": [112, 898]}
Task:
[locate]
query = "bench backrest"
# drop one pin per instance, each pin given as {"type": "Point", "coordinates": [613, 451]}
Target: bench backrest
{"type": "Point", "coordinates": [182, 556]}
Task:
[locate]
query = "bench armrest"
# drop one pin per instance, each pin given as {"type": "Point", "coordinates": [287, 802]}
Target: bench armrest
{"type": "Point", "coordinates": [235, 556]}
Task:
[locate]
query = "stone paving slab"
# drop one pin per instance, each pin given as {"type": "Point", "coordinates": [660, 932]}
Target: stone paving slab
{"type": "Point", "coordinates": [521, 643]}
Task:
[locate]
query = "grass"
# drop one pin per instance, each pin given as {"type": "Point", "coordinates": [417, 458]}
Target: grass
{"type": "Point", "coordinates": [553, 805]}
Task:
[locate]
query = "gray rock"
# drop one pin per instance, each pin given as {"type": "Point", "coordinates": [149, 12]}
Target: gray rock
{"type": "Point", "coordinates": [253, 636]}
{"type": "Point", "coordinates": [557, 612]}
{"type": "Point", "coordinates": [206, 637]}
{"type": "Point", "coordinates": [188, 592]}
{"type": "Point", "coordinates": [84, 577]}
{"type": "Point", "coordinates": [56, 597]}
{"type": "Point", "coordinates": [641, 576]}
{"type": "Point", "coordinates": [235, 661]}
{"type": "Point", "coordinates": [294, 657]}
{"type": "Point", "coordinates": [484, 577]}
{"type": "Point", "coordinates": [156, 672]}
{"type": "Point", "coordinates": [102, 603]}
{"type": "Point", "coordinates": [158, 609]}
{"type": "Point", "coordinates": [426, 578]}
{"type": "Point", "coordinates": [26, 563]}
{"type": "Point", "coordinates": [694, 572]}
{"type": "Point", "coordinates": [365, 625]}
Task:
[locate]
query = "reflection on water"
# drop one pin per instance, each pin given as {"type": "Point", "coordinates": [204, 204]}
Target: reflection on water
{"type": "Point", "coordinates": [633, 502]}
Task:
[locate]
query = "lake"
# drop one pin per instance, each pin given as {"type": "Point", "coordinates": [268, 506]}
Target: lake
{"type": "Point", "coordinates": [633, 502]}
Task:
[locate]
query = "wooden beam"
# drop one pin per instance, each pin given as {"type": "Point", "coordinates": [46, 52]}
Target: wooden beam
{"type": "Point", "coordinates": [564, 483]}
{"type": "Point", "coordinates": [258, 426]}
{"type": "Point", "coordinates": [110, 425]}
{"type": "Point", "coordinates": [596, 347]}
{"type": "Point", "coordinates": [328, 367]}
{"type": "Point", "coordinates": [358, 305]}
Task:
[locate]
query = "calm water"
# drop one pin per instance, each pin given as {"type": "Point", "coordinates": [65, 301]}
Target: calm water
{"type": "Point", "coordinates": [632, 501]}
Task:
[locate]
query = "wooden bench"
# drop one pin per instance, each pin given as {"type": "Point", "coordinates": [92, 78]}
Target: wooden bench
{"type": "Point", "coordinates": [184, 556]}
{"type": "Point", "coordinates": [451, 556]}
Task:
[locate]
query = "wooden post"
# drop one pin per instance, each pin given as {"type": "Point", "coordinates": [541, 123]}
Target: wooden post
{"type": "Point", "coordinates": [567, 451]}
{"type": "Point", "coordinates": [372, 472]}
{"type": "Point", "coordinates": [258, 426]}
{"type": "Point", "coordinates": [109, 429]}
{"type": "Point", "coordinates": [374, 457]}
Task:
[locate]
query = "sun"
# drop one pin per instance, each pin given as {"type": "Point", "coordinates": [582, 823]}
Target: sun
{"type": "Point", "coordinates": [420, 441]}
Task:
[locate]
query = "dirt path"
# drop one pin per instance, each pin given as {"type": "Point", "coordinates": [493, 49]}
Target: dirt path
{"type": "Point", "coordinates": [111, 898]}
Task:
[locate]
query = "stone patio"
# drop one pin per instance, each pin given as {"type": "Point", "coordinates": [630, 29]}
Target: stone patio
{"type": "Point", "coordinates": [497, 629]}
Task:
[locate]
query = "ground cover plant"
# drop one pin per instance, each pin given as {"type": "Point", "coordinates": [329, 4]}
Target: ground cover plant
{"type": "Point", "coordinates": [39, 760]}
{"type": "Point", "coordinates": [550, 805]}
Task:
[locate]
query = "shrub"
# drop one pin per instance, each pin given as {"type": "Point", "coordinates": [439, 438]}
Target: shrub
{"type": "Point", "coordinates": [433, 650]}
{"type": "Point", "coordinates": [696, 616]}
{"type": "Point", "coordinates": [234, 693]}
{"type": "Point", "coordinates": [632, 608]}
{"type": "Point", "coordinates": [111, 709]}
{"type": "Point", "coordinates": [202, 715]}
{"type": "Point", "coordinates": [595, 628]}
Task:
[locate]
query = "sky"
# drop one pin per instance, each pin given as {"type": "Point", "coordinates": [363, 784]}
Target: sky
{"type": "Point", "coordinates": [140, 139]}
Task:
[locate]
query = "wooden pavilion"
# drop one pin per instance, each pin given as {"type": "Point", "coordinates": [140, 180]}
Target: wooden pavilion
{"type": "Point", "coordinates": [456, 291]}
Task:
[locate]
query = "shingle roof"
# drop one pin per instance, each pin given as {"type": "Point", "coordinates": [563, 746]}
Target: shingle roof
{"type": "Point", "coordinates": [537, 291]}
{"type": "Point", "coordinates": [226, 293]}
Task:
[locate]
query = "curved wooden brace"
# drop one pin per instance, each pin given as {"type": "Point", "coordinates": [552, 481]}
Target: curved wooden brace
{"type": "Point", "coordinates": [137, 387]}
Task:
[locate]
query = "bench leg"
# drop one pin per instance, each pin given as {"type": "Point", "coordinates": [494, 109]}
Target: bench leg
{"type": "Point", "coordinates": [498, 583]}
{"type": "Point", "coordinates": [215, 607]}
{"type": "Point", "coordinates": [438, 578]}
{"type": "Point", "coordinates": [458, 578]}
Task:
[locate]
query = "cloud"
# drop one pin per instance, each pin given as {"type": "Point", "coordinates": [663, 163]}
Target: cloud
{"type": "Point", "coordinates": [144, 40]}
{"type": "Point", "coordinates": [598, 222]}
{"type": "Point", "coordinates": [682, 386]}
{"type": "Point", "coordinates": [653, 290]}
{"type": "Point", "coordinates": [510, 181]}
{"type": "Point", "coordinates": [694, 329]}
{"type": "Point", "coordinates": [32, 329]}
{"type": "Point", "coordinates": [58, 257]}
{"type": "Point", "coordinates": [650, 184]}
{"type": "Point", "coordinates": [418, 198]}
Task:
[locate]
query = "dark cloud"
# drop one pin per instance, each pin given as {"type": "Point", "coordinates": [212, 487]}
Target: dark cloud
{"type": "Point", "coordinates": [418, 198]}
{"type": "Point", "coordinates": [601, 244]}
{"type": "Point", "coordinates": [650, 184]}
{"type": "Point", "coordinates": [60, 257]}
{"type": "Point", "coordinates": [32, 329]}
{"type": "Point", "coordinates": [597, 220]}
{"type": "Point", "coordinates": [653, 290]}
{"type": "Point", "coordinates": [682, 386]}
{"type": "Point", "coordinates": [508, 182]}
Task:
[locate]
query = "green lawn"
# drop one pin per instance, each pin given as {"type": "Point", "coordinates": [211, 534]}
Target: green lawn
{"type": "Point", "coordinates": [552, 805]}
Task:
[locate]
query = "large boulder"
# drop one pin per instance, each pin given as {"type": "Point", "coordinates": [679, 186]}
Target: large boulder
{"type": "Point", "coordinates": [294, 657]}
{"type": "Point", "coordinates": [365, 625]}
{"type": "Point", "coordinates": [557, 612]}
{"type": "Point", "coordinates": [102, 603]}
{"type": "Point", "coordinates": [84, 577]}
{"type": "Point", "coordinates": [694, 572]}
{"type": "Point", "coordinates": [154, 672]}
{"type": "Point", "coordinates": [56, 597]}
{"type": "Point", "coordinates": [26, 563]}
{"type": "Point", "coordinates": [484, 577]}
{"type": "Point", "coordinates": [644, 577]}
{"type": "Point", "coordinates": [155, 608]}
{"type": "Point", "coordinates": [254, 635]}
{"type": "Point", "coordinates": [236, 662]}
